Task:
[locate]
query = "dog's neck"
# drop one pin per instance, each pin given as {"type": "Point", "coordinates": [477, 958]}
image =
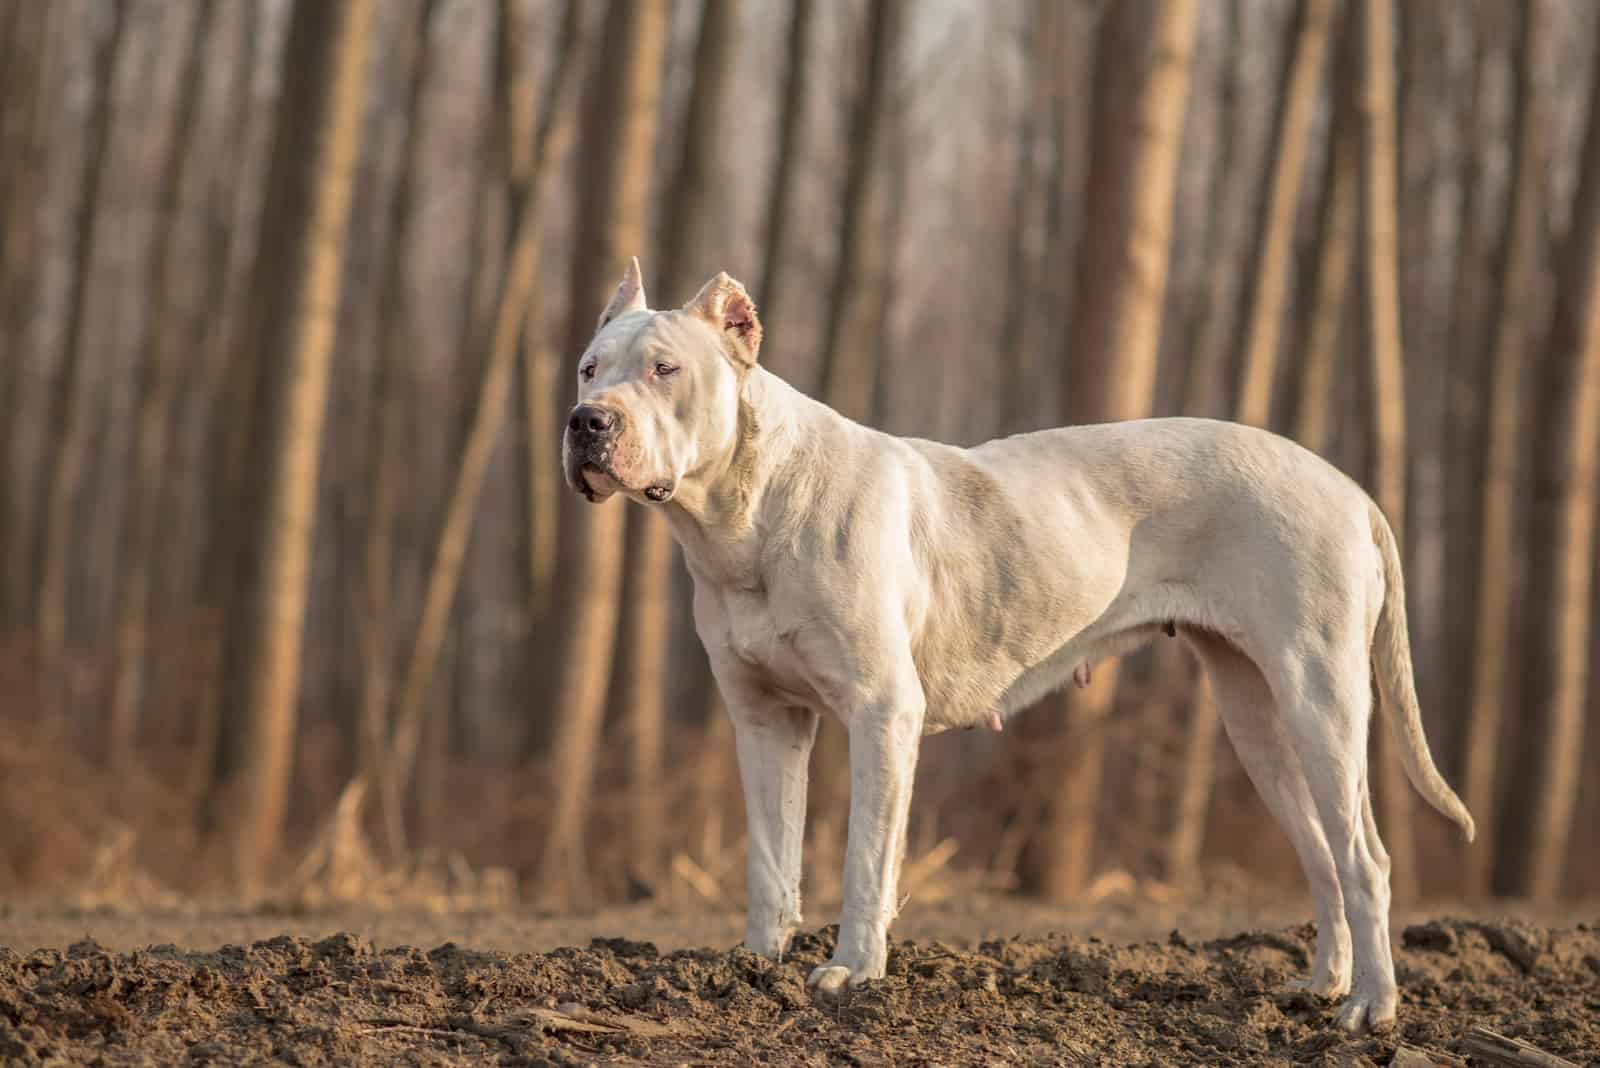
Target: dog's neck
{"type": "Point", "coordinates": [717, 516]}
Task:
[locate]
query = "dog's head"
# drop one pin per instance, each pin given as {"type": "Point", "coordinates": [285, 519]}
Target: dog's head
{"type": "Point", "coordinates": [658, 391]}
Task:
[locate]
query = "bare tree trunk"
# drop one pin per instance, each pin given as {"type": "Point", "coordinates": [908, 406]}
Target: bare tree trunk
{"type": "Point", "coordinates": [539, 382]}
{"type": "Point", "coordinates": [1570, 462]}
{"type": "Point", "coordinates": [1501, 456]}
{"type": "Point", "coordinates": [1213, 320]}
{"type": "Point", "coordinates": [160, 347]}
{"type": "Point", "coordinates": [213, 379]}
{"type": "Point", "coordinates": [389, 406]}
{"type": "Point", "coordinates": [24, 92]}
{"type": "Point", "coordinates": [1119, 289]}
{"type": "Point", "coordinates": [786, 164]}
{"type": "Point", "coordinates": [1388, 376]}
{"type": "Point", "coordinates": [850, 364]}
{"type": "Point", "coordinates": [1302, 78]}
{"type": "Point", "coordinates": [70, 408]}
{"type": "Point", "coordinates": [1330, 290]}
{"type": "Point", "coordinates": [618, 143]}
{"type": "Point", "coordinates": [297, 288]}
{"type": "Point", "coordinates": [1024, 247]}
{"type": "Point", "coordinates": [529, 194]}
{"type": "Point", "coordinates": [648, 585]}
{"type": "Point", "coordinates": [1481, 222]}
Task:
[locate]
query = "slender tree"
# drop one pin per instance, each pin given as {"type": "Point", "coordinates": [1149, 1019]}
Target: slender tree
{"type": "Point", "coordinates": [296, 292]}
{"type": "Point", "coordinates": [1484, 219]}
{"type": "Point", "coordinates": [786, 164]}
{"type": "Point", "coordinates": [618, 140]}
{"type": "Point", "coordinates": [1569, 459]}
{"type": "Point", "coordinates": [540, 386]}
{"type": "Point", "coordinates": [1119, 286]}
{"type": "Point", "coordinates": [849, 360]}
{"type": "Point", "coordinates": [529, 189]}
{"type": "Point", "coordinates": [1381, 249]}
{"type": "Point", "coordinates": [1335, 258]}
{"type": "Point", "coordinates": [1500, 461]}
{"type": "Point", "coordinates": [160, 350]}
{"type": "Point", "coordinates": [71, 407]}
{"type": "Point", "coordinates": [648, 590]}
{"type": "Point", "coordinates": [390, 407]}
{"type": "Point", "coordinates": [540, 392]}
{"type": "Point", "coordinates": [1025, 252]}
{"type": "Point", "coordinates": [1296, 102]}
{"type": "Point", "coordinates": [1302, 77]}
{"type": "Point", "coordinates": [26, 72]}
{"type": "Point", "coordinates": [216, 383]}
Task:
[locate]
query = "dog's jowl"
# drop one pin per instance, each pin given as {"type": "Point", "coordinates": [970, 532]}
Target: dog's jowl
{"type": "Point", "coordinates": [908, 587]}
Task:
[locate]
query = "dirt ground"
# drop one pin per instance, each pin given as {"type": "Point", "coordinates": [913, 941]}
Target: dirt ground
{"type": "Point", "coordinates": [987, 981]}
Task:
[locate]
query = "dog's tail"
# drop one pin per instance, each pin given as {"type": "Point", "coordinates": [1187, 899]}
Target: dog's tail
{"type": "Point", "coordinates": [1392, 661]}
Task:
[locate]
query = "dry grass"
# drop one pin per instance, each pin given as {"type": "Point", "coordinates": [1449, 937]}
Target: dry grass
{"type": "Point", "coordinates": [73, 831]}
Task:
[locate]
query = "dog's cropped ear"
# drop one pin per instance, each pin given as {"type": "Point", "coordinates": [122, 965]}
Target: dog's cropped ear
{"type": "Point", "coordinates": [724, 304]}
{"type": "Point", "coordinates": [629, 296]}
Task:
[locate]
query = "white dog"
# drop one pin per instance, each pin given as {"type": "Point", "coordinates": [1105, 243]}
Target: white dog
{"type": "Point", "coordinates": [909, 587]}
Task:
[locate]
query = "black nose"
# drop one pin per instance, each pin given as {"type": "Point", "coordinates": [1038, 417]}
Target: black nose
{"type": "Point", "coordinates": [592, 419]}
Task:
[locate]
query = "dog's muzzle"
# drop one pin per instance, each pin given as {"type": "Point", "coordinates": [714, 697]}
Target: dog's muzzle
{"type": "Point", "coordinates": [592, 432]}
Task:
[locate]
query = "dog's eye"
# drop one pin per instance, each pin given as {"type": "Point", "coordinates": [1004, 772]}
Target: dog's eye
{"type": "Point", "coordinates": [665, 370]}
{"type": "Point", "coordinates": [586, 372]}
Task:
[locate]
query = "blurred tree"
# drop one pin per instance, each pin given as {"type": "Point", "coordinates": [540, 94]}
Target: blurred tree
{"type": "Point", "coordinates": [528, 181]}
{"type": "Point", "coordinates": [618, 139]}
{"type": "Point", "coordinates": [540, 391]}
{"type": "Point", "coordinates": [1335, 257]}
{"type": "Point", "coordinates": [71, 406]}
{"type": "Point", "coordinates": [1299, 85]}
{"type": "Point", "coordinates": [1230, 225]}
{"type": "Point", "coordinates": [1297, 97]}
{"type": "Point", "coordinates": [1142, 63]}
{"type": "Point", "coordinates": [849, 356]}
{"type": "Point", "coordinates": [161, 368]}
{"type": "Point", "coordinates": [644, 669]}
{"type": "Point", "coordinates": [26, 70]}
{"type": "Point", "coordinates": [390, 409]}
{"type": "Point", "coordinates": [1381, 248]}
{"type": "Point", "coordinates": [1502, 451]}
{"type": "Point", "coordinates": [780, 212]}
{"type": "Point", "coordinates": [216, 387]}
{"type": "Point", "coordinates": [1569, 463]}
{"type": "Point", "coordinates": [1025, 231]}
{"type": "Point", "coordinates": [296, 293]}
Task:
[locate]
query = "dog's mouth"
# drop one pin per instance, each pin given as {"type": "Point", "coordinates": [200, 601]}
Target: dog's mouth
{"type": "Point", "coordinates": [597, 482]}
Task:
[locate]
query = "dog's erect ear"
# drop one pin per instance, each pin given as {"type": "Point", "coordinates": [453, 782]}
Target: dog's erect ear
{"type": "Point", "coordinates": [629, 296]}
{"type": "Point", "coordinates": [724, 304]}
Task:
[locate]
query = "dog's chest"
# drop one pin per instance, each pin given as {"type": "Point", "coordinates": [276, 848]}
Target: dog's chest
{"type": "Point", "coordinates": [751, 626]}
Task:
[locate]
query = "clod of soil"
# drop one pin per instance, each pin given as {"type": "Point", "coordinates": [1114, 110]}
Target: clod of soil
{"type": "Point", "coordinates": [1047, 1002]}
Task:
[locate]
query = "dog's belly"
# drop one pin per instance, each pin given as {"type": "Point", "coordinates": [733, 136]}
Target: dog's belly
{"type": "Point", "coordinates": [974, 694]}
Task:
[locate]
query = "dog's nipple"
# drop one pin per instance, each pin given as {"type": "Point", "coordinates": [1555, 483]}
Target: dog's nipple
{"type": "Point", "coordinates": [994, 721]}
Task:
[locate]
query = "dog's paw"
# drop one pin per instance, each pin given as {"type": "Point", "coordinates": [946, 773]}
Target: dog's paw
{"type": "Point", "coordinates": [834, 978]}
{"type": "Point", "coordinates": [830, 979]}
{"type": "Point", "coordinates": [769, 943]}
{"type": "Point", "coordinates": [1331, 987]}
{"type": "Point", "coordinates": [1368, 1012]}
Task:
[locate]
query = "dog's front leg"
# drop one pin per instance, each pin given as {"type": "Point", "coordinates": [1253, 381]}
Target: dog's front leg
{"type": "Point", "coordinates": [884, 737]}
{"type": "Point", "coordinates": [774, 744]}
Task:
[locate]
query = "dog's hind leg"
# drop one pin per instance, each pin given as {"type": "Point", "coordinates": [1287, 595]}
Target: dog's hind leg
{"type": "Point", "coordinates": [774, 745]}
{"type": "Point", "coordinates": [1261, 740]}
{"type": "Point", "coordinates": [1328, 708]}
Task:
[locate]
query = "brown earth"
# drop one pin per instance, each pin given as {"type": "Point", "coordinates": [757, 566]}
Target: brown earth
{"type": "Point", "coordinates": [312, 998]}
